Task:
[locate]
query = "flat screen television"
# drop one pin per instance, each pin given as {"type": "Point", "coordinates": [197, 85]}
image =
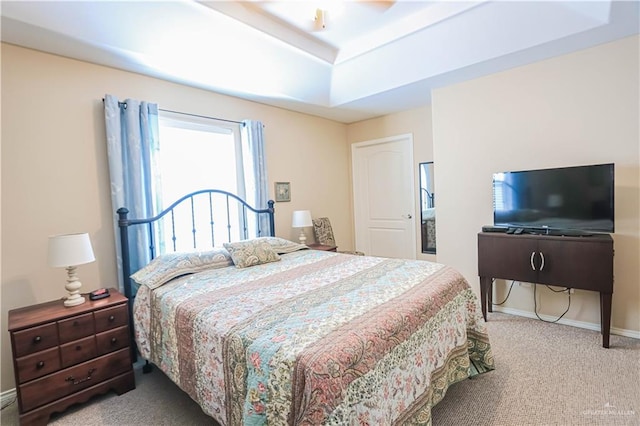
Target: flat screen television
{"type": "Point", "coordinates": [576, 200]}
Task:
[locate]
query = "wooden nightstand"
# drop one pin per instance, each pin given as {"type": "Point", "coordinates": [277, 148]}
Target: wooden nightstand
{"type": "Point", "coordinates": [63, 356]}
{"type": "Point", "coordinates": [322, 247]}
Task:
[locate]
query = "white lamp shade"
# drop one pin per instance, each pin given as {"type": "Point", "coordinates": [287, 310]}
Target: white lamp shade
{"type": "Point", "coordinates": [301, 219]}
{"type": "Point", "coordinates": [70, 250]}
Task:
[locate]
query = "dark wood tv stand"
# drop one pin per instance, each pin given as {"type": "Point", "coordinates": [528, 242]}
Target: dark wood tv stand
{"type": "Point", "coordinates": [584, 263]}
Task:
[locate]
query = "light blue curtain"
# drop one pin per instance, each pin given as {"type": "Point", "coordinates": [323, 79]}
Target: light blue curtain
{"type": "Point", "coordinates": [255, 169]}
{"type": "Point", "coordinates": [132, 138]}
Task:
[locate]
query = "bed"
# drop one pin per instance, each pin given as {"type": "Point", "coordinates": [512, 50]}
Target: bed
{"type": "Point", "coordinates": [266, 331]}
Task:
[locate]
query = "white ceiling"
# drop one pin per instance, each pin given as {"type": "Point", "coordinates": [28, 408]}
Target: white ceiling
{"type": "Point", "coordinates": [371, 59]}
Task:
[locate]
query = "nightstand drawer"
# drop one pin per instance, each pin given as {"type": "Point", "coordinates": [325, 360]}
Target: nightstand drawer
{"type": "Point", "coordinates": [55, 386]}
{"type": "Point", "coordinates": [109, 318]}
{"type": "Point", "coordinates": [35, 339]}
{"type": "Point", "coordinates": [112, 340]}
{"type": "Point", "coordinates": [76, 327]}
{"type": "Point", "coordinates": [78, 351]}
{"type": "Point", "coordinates": [37, 365]}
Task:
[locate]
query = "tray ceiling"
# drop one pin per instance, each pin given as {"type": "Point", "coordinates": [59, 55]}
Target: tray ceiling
{"type": "Point", "coordinates": [369, 59]}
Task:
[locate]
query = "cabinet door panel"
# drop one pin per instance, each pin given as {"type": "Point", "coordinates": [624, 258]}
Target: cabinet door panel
{"type": "Point", "coordinates": [577, 264]}
{"type": "Point", "coordinates": [507, 257]}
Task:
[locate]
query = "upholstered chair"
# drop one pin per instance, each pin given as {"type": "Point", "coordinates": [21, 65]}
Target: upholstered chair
{"type": "Point", "coordinates": [324, 234]}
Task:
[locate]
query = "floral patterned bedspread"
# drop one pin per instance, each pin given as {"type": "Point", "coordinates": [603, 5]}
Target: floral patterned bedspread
{"type": "Point", "coordinates": [316, 338]}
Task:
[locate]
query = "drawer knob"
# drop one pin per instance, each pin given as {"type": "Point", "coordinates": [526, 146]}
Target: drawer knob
{"type": "Point", "coordinates": [112, 318]}
{"type": "Point", "coordinates": [78, 348]}
{"type": "Point", "coordinates": [37, 339]}
{"type": "Point", "coordinates": [40, 364]}
{"type": "Point", "coordinates": [114, 340]}
{"type": "Point", "coordinates": [76, 323]}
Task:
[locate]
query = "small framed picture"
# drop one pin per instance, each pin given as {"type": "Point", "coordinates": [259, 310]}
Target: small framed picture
{"type": "Point", "coordinates": [283, 191]}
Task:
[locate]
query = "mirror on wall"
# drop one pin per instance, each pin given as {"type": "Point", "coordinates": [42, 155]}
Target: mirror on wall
{"type": "Point", "coordinates": [427, 208]}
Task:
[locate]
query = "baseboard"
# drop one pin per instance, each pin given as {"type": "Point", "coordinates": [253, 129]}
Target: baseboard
{"type": "Point", "coordinates": [7, 397]}
{"type": "Point", "coordinates": [580, 324]}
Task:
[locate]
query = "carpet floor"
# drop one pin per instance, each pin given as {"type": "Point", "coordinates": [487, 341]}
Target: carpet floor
{"type": "Point", "coordinates": [546, 374]}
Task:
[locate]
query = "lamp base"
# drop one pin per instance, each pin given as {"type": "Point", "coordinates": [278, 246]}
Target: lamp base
{"type": "Point", "coordinates": [302, 237]}
{"type": "Point", "coordinates": [73, 287]}
{"type": "Point", "coordinates": [74, 300]}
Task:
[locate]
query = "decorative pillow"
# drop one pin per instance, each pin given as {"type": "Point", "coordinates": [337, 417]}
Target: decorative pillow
{"type": "Point", "coordinates": [323, 231]}
{"type": "Point", "coordinates": [282, 246]}
{"type": "Point", "coordinates": [252, 252]}
{"type": "Point", "coordinates": [168, 266]}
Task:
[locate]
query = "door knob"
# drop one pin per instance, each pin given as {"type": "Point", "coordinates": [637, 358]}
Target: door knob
{"type": "Point", "coordinates": [408, 216]}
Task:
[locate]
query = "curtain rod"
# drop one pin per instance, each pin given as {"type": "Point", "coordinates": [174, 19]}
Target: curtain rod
{"type": "Point", "coordinates": [201, 116]}
{"type": "Point", "coordinates": [189, 114]}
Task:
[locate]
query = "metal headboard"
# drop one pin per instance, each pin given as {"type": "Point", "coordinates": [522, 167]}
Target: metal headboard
{"type": "Point", "coordinates": [124, 223]}
{"type": "Point", "coordinates": [187, 203]}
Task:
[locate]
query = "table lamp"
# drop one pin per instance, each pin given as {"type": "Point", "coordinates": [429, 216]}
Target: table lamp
{"type": "Point", "coordinates": [68, 251]}
{"type": "Point", "coordinates": [301, 219]}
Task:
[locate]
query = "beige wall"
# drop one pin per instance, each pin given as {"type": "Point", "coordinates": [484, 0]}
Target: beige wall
{"type": "Point", "coordinates": [416, 122]}
{"type": "Point", "coordinates": [55, 171]}
{"type": "Point", "coordinates": [576, 109]}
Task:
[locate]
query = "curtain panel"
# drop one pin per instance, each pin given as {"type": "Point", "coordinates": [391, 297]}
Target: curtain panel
{"type": "Point", "coordinates": [255, 169]}
{"type": "Point", "coordinates": [132, 138]}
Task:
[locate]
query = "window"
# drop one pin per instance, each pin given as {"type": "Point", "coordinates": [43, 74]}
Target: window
{"type": "Point", "coordinates": [195, 154]}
